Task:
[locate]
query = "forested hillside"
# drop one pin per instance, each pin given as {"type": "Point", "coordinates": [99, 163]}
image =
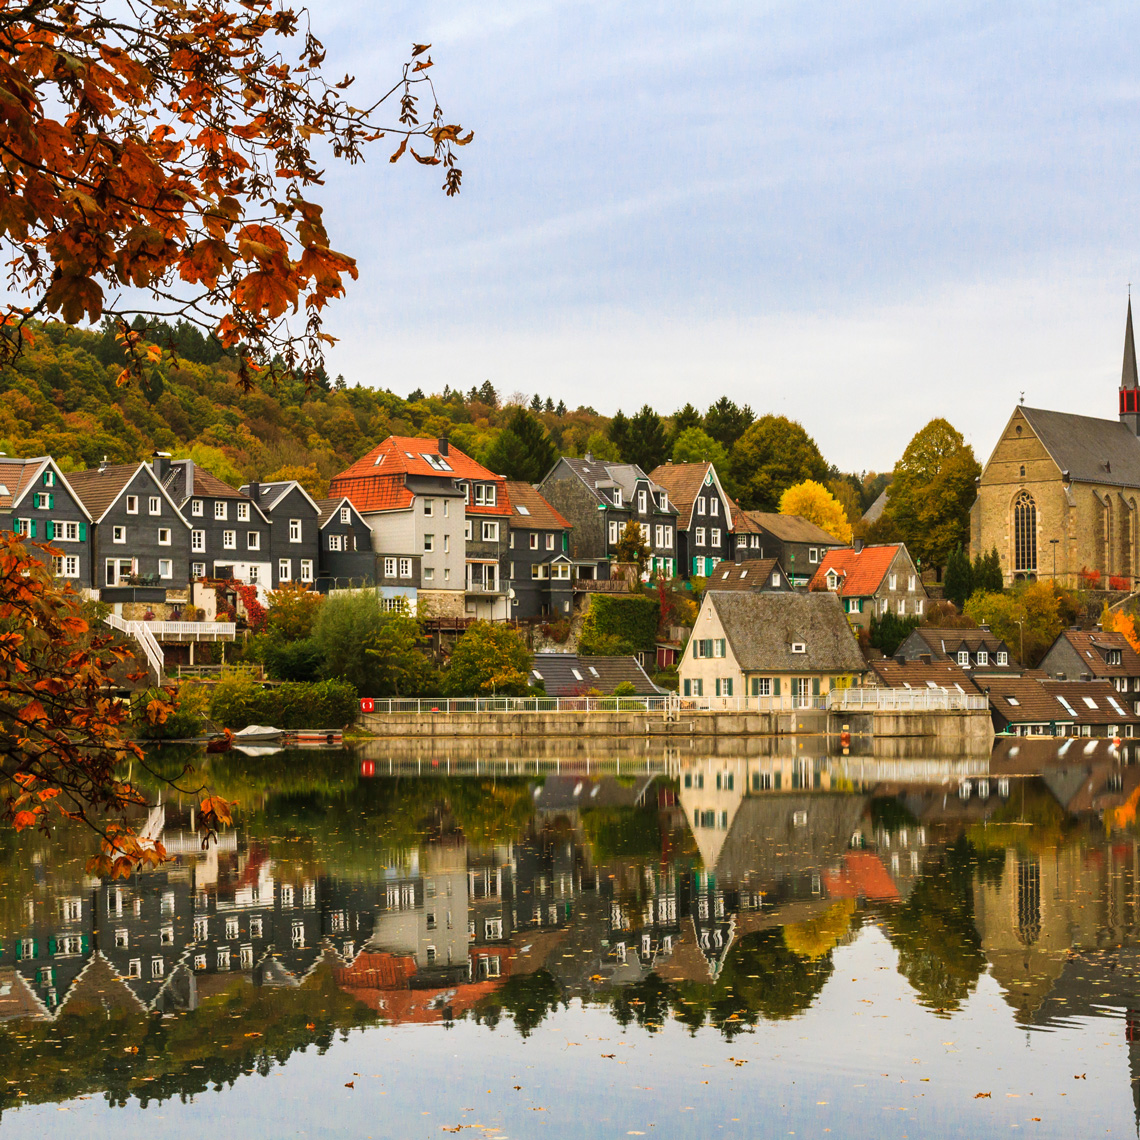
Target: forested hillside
{"type": "Point", "coordinates": [61, 398]}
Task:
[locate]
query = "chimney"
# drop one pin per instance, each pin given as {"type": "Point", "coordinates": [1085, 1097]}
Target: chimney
{"type": "Point", "coordinates": [160, 462]}
{"type": "Point", "coordinates": [188, 466]}
{"type": "Point", "coordinates": [1086, 676]}
{"type": "Point", "coordinates": [253, 490]}
{"type": "Point", "coordinates": [103, 465]}
{"type": "Point", "coordinates": [858, 545]}
{"type": "Point", "coordinates": [443, 445]}
{"type": "Point", "coordinates": [588, 457]}
{"type": "Point", "coordinates": [925, 658]}
{"type": "Point", "coordinates": [900, 659]}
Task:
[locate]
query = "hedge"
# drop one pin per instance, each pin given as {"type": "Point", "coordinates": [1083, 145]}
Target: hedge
{"type": "Point", "coordinates": [630, 622]}
{"type": "Point", "coordinates": [240, 701]}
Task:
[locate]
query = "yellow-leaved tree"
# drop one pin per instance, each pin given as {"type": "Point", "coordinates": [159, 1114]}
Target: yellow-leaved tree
{"type": "Point", "coordinates": [814, 502]}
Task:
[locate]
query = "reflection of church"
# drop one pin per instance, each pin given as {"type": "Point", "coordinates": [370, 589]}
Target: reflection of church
{"type": "Point", "coordinates": [1059, 494]}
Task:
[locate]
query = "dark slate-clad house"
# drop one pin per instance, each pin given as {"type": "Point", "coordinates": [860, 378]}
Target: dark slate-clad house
{"type": "Point", "coordinates": [346, 557]}
{"type": "Point", "coordinates": [1095, 655]}
{"type": "Point", "coordinates": [141, 542]}
{"type": "Point", "coordinates": [296, 518]}
{"type": "Point", "coordinates": [760, 575]}
{"type": "Point", "coordinates": [798, 544]}
{"type": "Point", "coordinates": [230, 535]}
{"type": "Point", "coordinates": [599, 499]}
{"type": "Point", "coordinates": [37, 501]}
{"type": "Point", "coordinates": [538, 567]}
{"type": "Point", "coordinates": [704, 516]}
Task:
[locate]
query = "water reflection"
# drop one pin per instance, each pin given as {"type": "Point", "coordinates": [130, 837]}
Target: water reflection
{"type": "Point", "coordinates": [660, 887]}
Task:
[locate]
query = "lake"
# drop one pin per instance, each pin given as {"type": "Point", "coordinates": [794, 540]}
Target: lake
{"type": "Point", "coordinates": [545, 941]}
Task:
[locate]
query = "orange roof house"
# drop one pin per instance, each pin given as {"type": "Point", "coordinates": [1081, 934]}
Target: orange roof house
{"type": "Point", "coordinates": [872, 580]}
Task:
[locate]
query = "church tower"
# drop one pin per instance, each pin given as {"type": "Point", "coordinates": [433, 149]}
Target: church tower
{"type": "Point", "coordinates": [1129, 387]}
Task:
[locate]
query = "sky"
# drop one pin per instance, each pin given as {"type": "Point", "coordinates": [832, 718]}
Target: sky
{"type": "Point", "coordinates": [858, 216]}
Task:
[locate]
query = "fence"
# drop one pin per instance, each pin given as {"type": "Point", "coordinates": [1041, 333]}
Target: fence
{"type": "Point", "coordinates": [193, 630]}
{"type": "Point", "coordinates": [139, 631]}
{"type": "Point", "coordinates": [841, 700]}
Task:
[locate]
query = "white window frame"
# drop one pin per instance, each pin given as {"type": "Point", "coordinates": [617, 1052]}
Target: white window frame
{"type": "Point", "coordinates": [198, 541]}
{"type": "Point", "coordinates": [405, 567]}
{"type": "Point", "coordinates": [335, 542]}
{"type": "Point", "coordinates": [389, 568]}
{"type": "Point", "coordinates": [154, 505]}
{"type": "Point", "coordinates": [243, 512]}
{"type": "Point", "coordinates": [429, 509]}
{"type": "Point", "coordinates": [166, 568]}
{"type": "Point", "coordinates": [164, 536]}
{"type": "Point", "coordinates": [429, 543]}
{"type": "Point", "coordinates": [197, 569]}
{"type": "Point", "coordinates": [221, 510]}
{"type": "Point", "coordinates": [306, 569]}
{"type": "Point", "coordinates": [294, 530]}
{"type": "Point", "coordinates": [346, 515]}
{"type": "Point", "coordinates": [196, 508]}
{"type": "Point", "coordinates": [699, 540]}
{"type": "Point", "coordinates": [642, 502]}
{"type": "Point", "coordinates": [132, 505]}
{"type": "Point", "coordinates": [490, 532]}
{"type": "Point", "coordinates": [550, 542]}
{"type": "Point", "coordinates": [285, 570]}
{"type": "Point", "coordinates": [253, 540]}
{"type": "Point", "coordinates": [229, 540]}
{"type": "Point", "coordinates": [119, 534]}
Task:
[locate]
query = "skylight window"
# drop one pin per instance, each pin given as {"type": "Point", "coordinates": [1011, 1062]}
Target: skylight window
{"type": "Point", "coordinates": [1013, 701]}
{"type": "Point", "coordinates": [4, 489]}
{"type": "Point", "coordinates": [537, 674]}
{"type": "Point", "coordinates": [521, 509]}
{"type": "Point", "coordinates": [593, 670]}
{"type": "Point", "coordinates": [435, 462]}
{"type": "Point", "coordinates": [743, 575]}
{"type": "Point", "coordinates": [1089, 702]}
{"type": "Point", "coordinates": [577, 675]}
{"type": "Point", "coordinates": [1116, 707]}
{"type": "Point", "coordinates": [1068, 707]}
{"type": "Point", "coordinates": [379, 460]}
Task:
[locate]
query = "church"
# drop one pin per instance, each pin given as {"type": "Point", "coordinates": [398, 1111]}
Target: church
{"type": "Point", "coordinates": [1058, 496]}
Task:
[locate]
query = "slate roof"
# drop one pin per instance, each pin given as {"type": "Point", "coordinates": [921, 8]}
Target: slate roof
{"type": "Point", "coordinates": [378, 481]}
{"type": "Point", "coordinates": [861, 572]}
{"type": "Point", "coordinates": [754, 575]}
{"type": "Point", "coordinates": [98, 488]}
{"type": "Point", "coordinates": [622, 475]}
{"type": "Point", "coordinates": [1091, 645]}
{"type": "Point", "coordinates": [329, 507]}
{"type": "Point", "coordinates": [270, 494]}
{"type": "Point", "coordinates": [916, 674]}
{"type": "Point", "coordinates": [762, 627]}
{"type": "Point", "coordinates": [1090, 450]}
{"type": "Point", "coordinates": [538, 513]}
{"type": "Point", "coordinates": [203, 483]}
{"type": "Point", "coordinates": [1034, 700]}
{"type": "Point", "coordinates": [875, 511]}
{"type": "Point", "coordinates": [16, 475]}
{"type": "Point", "coordinates": [742, 522]}
{"type": "Point", "coordinates": [569, 675]}
{"type": "Point", "coordinates": [792, 528]}
{"type": "Point", "coordinates": [683, 481]}
{"type": "Point", "coordinates": [947, 642]}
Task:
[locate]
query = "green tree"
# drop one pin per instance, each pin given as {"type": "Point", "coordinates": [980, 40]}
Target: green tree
{"type": "Point", "coordinates": [632, 546]}
{"type": "Point", "coordinates": [648, 441]}
{"type": "Point", "coordinates": [993, 579]}
{"type": "Point", "coordinates": [931, 492]}
{"type": "Point", "coordinates": [602, 448]}
{"type": "Point", "coordinates": [695, 445]}
{"type": "Point", "coordinates": [293, 611]}
{"type": "Point", "coordinates": [402, 669]}
{"type": "Point", "coordinates": [619, 433]}
{"type": "Point", "coordinates": [687, 417]}
{"type": "Point", "coordinates": [889, 631]}
{"type": "Point", "coordinates": [522, 450]}
{"type": "Point", "coordinates": [488, 395]}
{"type": "Point", "coordinates": [959, 581]}
{"type": "Point", "coordinates": [1035, 611]}
{"type": "Point", "coordinates": [726, 423]}
{"type": "Point", "coordinates": [488, 659]}
{"type": "Point", "coordinates": [346, 626]}
{"type": "Point", "coordinates": [771, 456]}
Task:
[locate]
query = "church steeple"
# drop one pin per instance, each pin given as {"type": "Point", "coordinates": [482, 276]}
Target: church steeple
{"type": "Point", "coordinates": [1129, 384]}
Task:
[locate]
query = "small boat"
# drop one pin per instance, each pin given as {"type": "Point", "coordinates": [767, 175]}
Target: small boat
{"type": "Point", "coordinates": [258, 734]}
{"type": "Point", "coordinates": [315, 737]}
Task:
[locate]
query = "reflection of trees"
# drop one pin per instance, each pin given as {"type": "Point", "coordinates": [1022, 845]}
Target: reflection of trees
{"type": "Point", "coordinates": [761, 976]}
{"type": "Point", "coordinates": [244, 1029]}
{"type": "Point", "coordinates": [940, 952]}
{"type": "Point", "coordinates": [525, 998]}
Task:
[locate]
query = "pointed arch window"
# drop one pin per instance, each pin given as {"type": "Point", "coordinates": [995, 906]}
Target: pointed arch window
{"type": "Point", "coordinates": [1024, 533]}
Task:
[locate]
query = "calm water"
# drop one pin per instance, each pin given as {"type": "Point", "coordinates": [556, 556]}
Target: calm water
{"type": "Point", "coordinates": [668, 945]}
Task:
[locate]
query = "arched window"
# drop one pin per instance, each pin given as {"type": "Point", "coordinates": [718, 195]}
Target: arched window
{"type": "Point", "coordinates": [1024, 533]}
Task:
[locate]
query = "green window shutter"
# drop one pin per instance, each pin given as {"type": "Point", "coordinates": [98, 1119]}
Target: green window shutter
{"type": "Point", "coordinates": [755, 686]}
{"type": "Point", "coordinates": [50, 530]}
{"type": "Point", "coordinates": [51, 947]}
{"type": "Point", "coordinates": [51, 502]}
{"type": "Point", "coordinates": [84, 943]}
{"type": "Point", "coordinates": [33, 534]}
{"type": "Point", "coordinates": [565, 542]}
{"type": "Point", "coordinates": [779, 778]}
{"type": "Point", "coordinates": [728, 693]}
{"type": "Point", "coordinates": [688, 688]}
{"type": "Point", "coordinates": [718, 694]}
{"type": "Point", "coordinates": [776, 686]}
{"type": "Point", "coordinates": [815, 686]}
{"type": "Point", "coordinates": [19, 949]}
{"type": "Point", "coordinates": [82, 532]}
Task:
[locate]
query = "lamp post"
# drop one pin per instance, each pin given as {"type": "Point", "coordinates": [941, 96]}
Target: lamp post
{"type": "Point", "coordinates": [1053, 543]}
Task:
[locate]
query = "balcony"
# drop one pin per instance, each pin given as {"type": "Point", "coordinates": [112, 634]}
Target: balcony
{"type": "Point", "coordinates": [601, 586]}
{"type": "Point", "coordinates": [180, 632]}
{"type": "Point", "coordinates": [487, 589]}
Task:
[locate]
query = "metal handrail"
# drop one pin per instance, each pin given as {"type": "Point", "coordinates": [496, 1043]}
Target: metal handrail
{"type": "Point", "coordinates": [139, 631]}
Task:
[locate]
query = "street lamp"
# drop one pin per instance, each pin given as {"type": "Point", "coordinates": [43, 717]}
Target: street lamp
{"type": "Point", "coordinates": [1053, 543]}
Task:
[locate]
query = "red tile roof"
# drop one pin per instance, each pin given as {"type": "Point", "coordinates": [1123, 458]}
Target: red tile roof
{"type": "Point", "coordinates": [539, 513]}
{"type": "Point", "coordinates": [861, 573]}
{"type": "Point", "coordinates": [862, 876]}
{"type": "Point", "coordinates": [376, 481]}
{"type": "Point", "coordinates": [741, 523]}
{"type": "Point", "coordinates": [683, 481]}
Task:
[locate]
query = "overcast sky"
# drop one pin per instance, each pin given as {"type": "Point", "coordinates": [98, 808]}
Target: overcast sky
{"type": "Point", "coordinates": [859, 216]}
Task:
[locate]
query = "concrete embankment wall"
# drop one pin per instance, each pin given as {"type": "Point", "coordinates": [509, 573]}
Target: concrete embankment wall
{"type": "Point", "coordinates": [973, 728]}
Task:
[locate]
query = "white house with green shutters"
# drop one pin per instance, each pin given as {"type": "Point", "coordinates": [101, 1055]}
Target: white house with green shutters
{"type": "Point", "coordinates": [38, 502]}
{"type": "Point", "coordinates": [782, 650]}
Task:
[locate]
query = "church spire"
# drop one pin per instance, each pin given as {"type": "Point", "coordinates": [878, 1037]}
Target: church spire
{"type": "Point", "coordinates": [1129, 384]}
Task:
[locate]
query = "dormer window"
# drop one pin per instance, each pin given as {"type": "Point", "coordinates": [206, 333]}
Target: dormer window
{"type": "Point", "coordinates": [964, 658]}
{"type": "Point", "coordinates": [832, 580]}
{"type": "Point", "coordinates": [983, 657]}
{"type": "Point", "coordinates": [617, 496]}
{"type": "Point", "coordinates": [1002, 657]}
{"type": "Point", "coordinates": [642, 502]}
{"type": "Point", "coordinates": [1114, 657]}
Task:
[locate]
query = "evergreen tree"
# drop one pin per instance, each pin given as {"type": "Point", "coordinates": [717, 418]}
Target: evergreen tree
{"type": "Point", "coordinates": [686, 419]}
{"type": "Point", "coordinates": [726, 423]}
{"type": "Point", "coordinates": [549, 405]}
{"type": "Point", "coordinates": [772, 455]}
{"type": "Point", "coordinates": [888, 632]}
{"type": "Point", "coordinates": [488, 395]}
{"type": "Point", "coordinates": [994, 578]}
{"type": "Point", "coordinates": [536, 403]}
{"type": "Point", "coordinates": [415, 395]}
{"type": "Point", "coordinates": [959, 582]}
{"type": "Point", "coordinates": [561, 409]}
{"type": "Point", "coordinates": [978, 573]}
{"type": "Point", "coordinates": [649, 444]}
{"type": "Point", "coordinates": [620, 436]}
{"type": "Point", "coordinates": [522, 450]}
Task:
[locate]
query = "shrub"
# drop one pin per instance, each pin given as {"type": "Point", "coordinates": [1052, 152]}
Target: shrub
{"type": "Point", "coordinates": [488, 659]}
{"type": "Point", "coordinates": [187, 718]}
{"type": "Point", "coordinates": [238, 700]}
{"type": "Point", "coordinates": [293, 612]}
{"type": "Point", "coordinates": [626, 689]}
{"type": "Point", "coordinates": [345, 627]}
{"type": "Point", "coordinates": [1089, 579]}
{"type": "Point", "coordinates": [1116, 583]}
{"type": "Point", "coordinates": [618, 626]}
{"type": "Point", "coordinates": [292, 660]}
{"type": "Point", "coordinates": [557, 631]}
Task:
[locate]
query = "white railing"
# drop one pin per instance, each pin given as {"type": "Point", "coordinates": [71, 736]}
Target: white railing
{"type": "Point", "coordinates": [195, 630]}
{"type": "Point", "coordinates": [139, 631]}
{"type": "Point", "coordinates": [905, 700]}
{"type": "Point", "coordinates": [653, 704]}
